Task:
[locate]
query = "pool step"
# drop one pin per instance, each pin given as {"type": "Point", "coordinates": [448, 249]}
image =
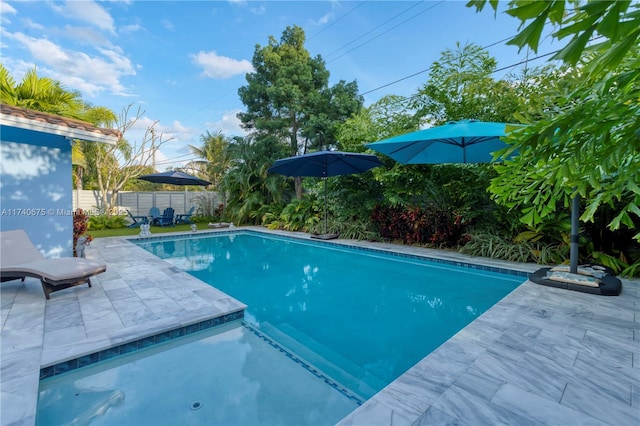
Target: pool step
{"type": "Point", "coordinates": [329, 362]}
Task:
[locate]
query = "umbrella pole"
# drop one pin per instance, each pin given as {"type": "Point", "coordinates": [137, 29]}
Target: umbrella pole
{"type": "Point", "coordinates": [325, 205]}
{"type": "Point", "coordinates": [575, 231]}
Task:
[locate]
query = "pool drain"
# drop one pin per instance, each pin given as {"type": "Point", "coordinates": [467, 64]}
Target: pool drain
{"type": "Point", "coordinates": [196, 406]}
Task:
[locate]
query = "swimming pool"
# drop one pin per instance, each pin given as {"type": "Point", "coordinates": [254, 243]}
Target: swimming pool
{"type": "Point", "coordinates": [319, 291]}
{"type": "Point", "coordinates": [363, 317]}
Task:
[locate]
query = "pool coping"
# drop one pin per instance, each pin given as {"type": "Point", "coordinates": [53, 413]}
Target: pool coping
{"type": "Point", "coordinates": [415, 397]}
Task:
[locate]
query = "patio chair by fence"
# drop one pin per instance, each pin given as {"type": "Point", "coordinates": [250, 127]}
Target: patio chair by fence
{"type": "Point", "coordinates": [185, 218]}
{"type": "Point", "coordinates": [137, 220]}
{"type": "Point", "coordinates": [154, 215]}
{"type": "Point", "coordinates": [167, 217]}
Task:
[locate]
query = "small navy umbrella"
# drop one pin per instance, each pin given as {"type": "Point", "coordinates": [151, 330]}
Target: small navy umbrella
{"type": "Point", "coordinates": [325, 164]}
{"type": "Point", "coordinates": [174, 178]}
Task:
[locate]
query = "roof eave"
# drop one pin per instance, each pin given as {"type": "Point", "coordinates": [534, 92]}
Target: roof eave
{"type": "Point", "coordinates": [66, 131]}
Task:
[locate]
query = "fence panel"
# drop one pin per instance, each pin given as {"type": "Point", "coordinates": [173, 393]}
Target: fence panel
{"type": "Point", "coordinates": [139, 203]}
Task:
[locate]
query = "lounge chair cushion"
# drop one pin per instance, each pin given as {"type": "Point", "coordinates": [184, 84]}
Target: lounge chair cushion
{"type": "Point", "coordinates": [21, 258]}
{"type": "Point", "coordinates": [57, 271]}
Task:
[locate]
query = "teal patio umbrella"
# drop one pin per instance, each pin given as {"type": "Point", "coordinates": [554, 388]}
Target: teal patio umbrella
{"type": "Point", "coordinates": [464, 141]}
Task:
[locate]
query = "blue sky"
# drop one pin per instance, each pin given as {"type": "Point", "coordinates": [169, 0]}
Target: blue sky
{"type": "Point", "coordinates": [182, 62]}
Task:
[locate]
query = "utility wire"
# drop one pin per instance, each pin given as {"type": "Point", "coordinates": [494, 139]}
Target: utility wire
{"type": "Point", "coordinates": [374, 29]}
{"type": "Point", "coordinates": [384, 32]}
{"type": "Point", "coordinates": [417, 95]}
{"type": "Point", "coordinates": [174, 159]}
{"type": "Point", "coordinates": [326, 27]}
{"type": "Point", "coordinates": [427, 69]}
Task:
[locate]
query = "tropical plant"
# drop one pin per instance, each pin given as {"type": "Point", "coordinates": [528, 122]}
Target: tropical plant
{"type": "Point", "coordinates": [250, 190]}
{"type": "Point", "coordinates": [461, 86]}
{"type": "Point", "coordinates": [355, 229]}
{"type": "Point", "coordinates": [104, 221]}
{"type": "Point", "coordinates": [428, 225]}
{"type": "Point", "coordinates": [210, 207]}
{"type": "Point", "coordinates": [585, 142]}
{"type": "Point", "coordinates": [80, 224]}
{"type": "Point", "coordinates": [301, 214]}
{"type": "Point", "coordinates": [41, 94]}
{"type": "Point", "coordinates": [497, 246]}
{"type": "Point", "coordinates": [214, 157]}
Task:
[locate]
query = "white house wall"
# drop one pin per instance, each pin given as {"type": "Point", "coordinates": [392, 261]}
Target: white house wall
{"type": "Point", "coordinates": [36, 188]}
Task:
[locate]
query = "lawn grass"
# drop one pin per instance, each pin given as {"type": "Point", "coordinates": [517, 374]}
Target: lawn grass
{"type": "Point", "coordinates": [119, 232]}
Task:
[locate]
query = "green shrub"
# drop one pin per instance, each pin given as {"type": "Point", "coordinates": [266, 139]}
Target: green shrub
{"type": "Point", "coordinates": [353, 229]}
{"type": "Point", "coordinates": [100, 222]}
{"type": "Point", "coordinates": [299, 215]}
{"type": "Point", "coordinates": [501, 247]}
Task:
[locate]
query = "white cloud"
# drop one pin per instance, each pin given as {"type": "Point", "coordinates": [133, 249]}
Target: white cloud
{"type": "Point", "coordinates": [86, 11]}
{"type": "Point", "coordinates": [168, 25]}
{"type": "Point", "coordinates": [324, 19]}
{"type": "Point", "coordinates": [86, 35]}
{"type": "Point", "coordinates": [132, 28]}
{"type": "Point", "coordinates": [5, 10]}
{"type": "Point", "coordinates": [33, 25]}
{"type": "Point", "coordinates": [79, 70]}
{"type": "Point", "coordinates": [229, 124]}
{"type": "Point", "coordinates": [258, 10]}
{"type": "Point", "coordinates": [220, 67]}
{"type": "Point", "coordinates": [18, 195]}
{"type": "Point", "coordinates": [55, 196]}
{"type": "Point", "coordinates": [170, 135]}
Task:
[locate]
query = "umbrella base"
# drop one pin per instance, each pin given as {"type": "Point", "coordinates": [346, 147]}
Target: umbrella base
{"type": "Point", "coordinates": [219, 225]}
{"type": "Point", "coordinates": [603, 283]}
{"type": "Point", "coordinates": [325, 236]}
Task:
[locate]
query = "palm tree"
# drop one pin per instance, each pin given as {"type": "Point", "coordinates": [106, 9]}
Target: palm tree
{"type": "Point", "coordinates": [47, 95]}
{"type": "Point", "coordinates": [251, 191]}
{"type": "Point", "coordinates": [214, 154]}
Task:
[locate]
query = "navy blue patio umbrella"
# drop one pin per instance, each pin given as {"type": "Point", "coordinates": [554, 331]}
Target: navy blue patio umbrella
{"type": "Point", "coordinates": [325, 164]}
{"type": "Point", "coordinates": [174, 178]}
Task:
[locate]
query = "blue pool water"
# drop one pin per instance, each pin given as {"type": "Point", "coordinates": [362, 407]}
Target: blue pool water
{"type": "Point", "coordinates": [362, 317]}
{"type": "Point", "coordinates": [326, 327]}
{"type": "Point", "coordinates": [227, 375]}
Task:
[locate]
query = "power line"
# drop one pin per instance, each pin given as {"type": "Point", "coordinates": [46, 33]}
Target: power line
{"type": "Point", "coordinates": [336, 21]}
{"type": "Point", "coordinates": [175, 159]}
{"type": "Point", "coordinates": [384, 32]}
{"type": "Point", "coordinates": [210, 103]}
{"type": "Point", "coordinates": [427, 69]}
{"type": "Point", "coordinates": [407, 98]}
{"type": "Point", "coordinates": [374, 29]}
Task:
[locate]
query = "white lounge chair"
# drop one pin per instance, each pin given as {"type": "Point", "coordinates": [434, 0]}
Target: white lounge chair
{"type": "Point", "coordinates": [19, 258]}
